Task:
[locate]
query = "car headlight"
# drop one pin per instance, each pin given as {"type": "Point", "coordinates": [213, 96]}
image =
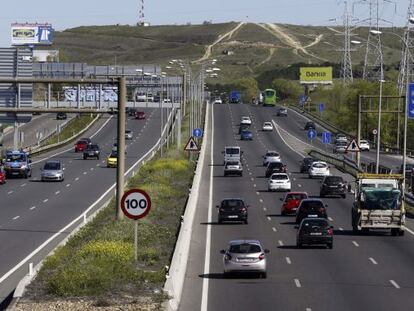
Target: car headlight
{"type": "Point", "coordinates": [23, 167]}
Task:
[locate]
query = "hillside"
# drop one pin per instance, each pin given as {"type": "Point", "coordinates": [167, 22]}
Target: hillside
{"type": "Point", "coordinates": [255, 48]}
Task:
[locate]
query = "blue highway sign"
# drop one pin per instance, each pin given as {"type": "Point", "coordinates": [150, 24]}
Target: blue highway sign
{"type": "Point", "coordinates": [198, 133]}
{"type": "Point", "coordinates": [326, 137]}
{"type": "Point", "coordinates": [311, 134]}
{"type": "Point", "coordinates": [411, 101]}
{"type": "Point", "coordinates": [321, 107]}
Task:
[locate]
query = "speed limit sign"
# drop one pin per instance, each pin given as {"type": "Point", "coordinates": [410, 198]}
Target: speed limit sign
{"type": "Point", "coordinates": [135, 204]}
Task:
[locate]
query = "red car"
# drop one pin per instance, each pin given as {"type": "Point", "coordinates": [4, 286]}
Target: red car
{"type": "Point", "coordinates": [291, 202]}
{"type": "Point", "coordinates": [81, 144]}
{"type": "Point", "coordinates": [140, 115]}
{"type": "Point", "coordinates": [2, 176]}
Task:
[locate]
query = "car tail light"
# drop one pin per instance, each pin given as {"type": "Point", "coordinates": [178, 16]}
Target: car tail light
{"type": "Point", "coordinates": [322, 210]}
{"type": "Point", "coordinates": [330, 231]}
{"type": "Point", "coordinates": [261, 256]}
{"type": "Point", "coordinates": [244, 210]}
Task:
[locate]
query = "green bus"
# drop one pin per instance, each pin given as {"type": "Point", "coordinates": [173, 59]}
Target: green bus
{"type": "Point", "coordinates": [269, 97]}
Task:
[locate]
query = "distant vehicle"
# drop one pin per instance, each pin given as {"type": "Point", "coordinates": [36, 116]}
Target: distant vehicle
{"type": "Point", "coordinates": [150, 97]}
{"type": "Point", "coordinates": [141, 97]}
{"type": "Point", "coordinates": [309, 125]}
{"type": "Point", "coordinates": [52, 171]}
{"type": "Point", "coordinates": [218, 100]}
{"type": "Point", "coordinates": [267, 127]}
{"type": "Point", "coordinates": [246, 135]}
{"type": "Point", "coordinates": [340, 147]}
{"type": "Point", "coordinates": [245, 256]}
{"type": "Point", "coordinates": [246, 120]}
{"type": "Point", "coordinates": [157, 98]}
{"type": "Point", "coordinates": [61, 116]}
{"type": "Point", "coordinates": [243, 127]}
{"type": "Point", "coordinates": [275, 167]}
{"type": "Point", "coordinates": [341, 138]}
{"type": "Point", "coordinates": [311, 208]}
{"type": "Point", "coordinates": [333, 185]}
{"type": "Point", "coordinates": [232, 153]}
{"type": "Point", "coordinates": [233, 168]}
{"type": "Point", "coordinates": [305, 164]}
{"type": "Point", "coordinates": [315, 231]}
{"type": "Point", "coordinates": [92, 151]}
{"type": "Point", "coordinates": [112, 160]}
{"type": "Point", "coordinates": [291, 202]}
{"type": "Point", "coordinates": [409, 169]}
{"type": "Point", "coordinates": [364, 145]}
{"type": "Point", "coordinates": [269, 98]}
{"type": "Point", "coordinates": [140, 115]}
{"type": "Point", "coordinates": [17, 163]}
{"type": "Point", "coordinates": [2, 175]}
{"type": "Point", "coordinates": [279, 181]}
{"type": "Point", "coordinates": [81, 144]}
{"type": "Point", "coordinates": [233, 209]}
{"type": "Point", "coordinates": [271, 156]}
{"type": "Point", "coordinates": [282, 112]}
{"type": "Point", "coordinates": [319, 169]}
{"type": "Point", "coordinates": [166, 100]}
{"type": "Point", "coordinates": [128, 134]}
{"type": "Point", "coordinates": [131, 111]}
{"type": "Point", "coordinates": [235, 97]}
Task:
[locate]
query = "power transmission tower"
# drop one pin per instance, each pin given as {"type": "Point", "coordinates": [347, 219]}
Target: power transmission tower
{"type": "Point", "coordinates": [406, 64]}
{"type": "Point", "coordinates": [346, 69]}
{"type": "Point", "coordinates": [141, 14]}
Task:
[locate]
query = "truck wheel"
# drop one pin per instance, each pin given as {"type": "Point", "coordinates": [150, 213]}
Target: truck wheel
{"type": "Point", "coordinates": [394, 232]}
{"type": "Point", "coordinates": [401, 232]}
{"type": "Point", "coordinates": [329, 245]}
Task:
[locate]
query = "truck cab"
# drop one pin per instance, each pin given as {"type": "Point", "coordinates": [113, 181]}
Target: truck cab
{"type": "Point", "coordinates": [17, 163]}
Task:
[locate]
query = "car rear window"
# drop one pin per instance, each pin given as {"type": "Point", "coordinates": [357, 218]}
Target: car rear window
{"type": "Point", "coordinates": [319, 165]}
{"type": "Point", "coordinates": [311, 204]}
{"type": "Point", "coordinates": [279, 177]}
{"type": "Point", "coordinates": [275, 164]}
{"type": "Point", "coordinates": [232, 150]}
{"type": "Point", "coordinates": [334, 179]}
{"type": "Point", "coordinates": [296, 196]}
{"type": "Point", "coordinates": [245, 248]}
{"type": "Point", "coordinates": [232, 203]}
{"type": "Point", "coordinates": [315, 222]}
{"type": "Point", "coordinates": [272, 154]}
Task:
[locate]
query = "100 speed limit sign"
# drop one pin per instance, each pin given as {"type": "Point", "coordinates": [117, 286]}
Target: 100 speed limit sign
{"type": "Point", "coordinates": [135, 204]}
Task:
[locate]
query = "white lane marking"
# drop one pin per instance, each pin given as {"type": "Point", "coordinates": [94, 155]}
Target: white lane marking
{"type": "Point", "coordinates": [17, 217]}
{"type": "Point", "coordinates": [409, 230]}
{"type": "Point", "coordinates": [22, 185]}
{"type": "Point", "coordinates": [289, 262]}
{"type": "Point", "coordinates": [84, 173]}
{"type": "Point", "coordinates": [293, 149]}
{"type": "Point", "coordinates": [297, 283]}
{"type": "Point", "coordinates": [97, 165]}
{"type": "Point", "coordinates": [250, 173]}
{"type": "Point", "coordinates": [280, 242]}
{"type": "Point", "coordinates": [294, 179]}
{"type": "Point", "coordinates": [394, 284]}
{"type": "Point", "coordinates": [254, 185]}
{"type": "Point", "coordinates": [355, 243]}
{"type": "Point", "coordinates": [330, 218]}
{"type": "Point", "coordinates": [67, 185]}
{"type": "Point", "coordinates": [57, 192]}
{"type": "Point", "coordinates": [204, 295]}
{"type": "Point", "coordinates": [77, 178]}
{"type": "Point", "coordinates": [299, 185]}
{"type": "Point", "coordinates": [308, 309]}
{"type": "Point", "coordinates": [264, 209]}
{"type": "Point", "coordinates": [32, 208]}
{"type": "Point", "coordinates": [268, 218]}
{"type": "Point", "coordinates": [10, 192]}
{"type": "Point", "coordinates": [274, 229]}
{"type": "Point", "coordinates": [257, 192]}
{"type": "Point", "coordinates": [252, 179]}
{"type": "Point", "coordinates": [341, 229]}
{"type": "Point", "coordinates": [261, 200]}
{"type": "Point", "coordinates": [92, 168]}
{"type": "Point", "coordinates": [45, 200]}
{"type": "Point", "coordinates": [373, 261]}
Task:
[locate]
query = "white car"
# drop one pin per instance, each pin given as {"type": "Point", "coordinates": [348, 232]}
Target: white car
{"type": "Point", "coordinates": [279, 181]}
{"type": "Point", "coordinates": [267, 126]}
{"type": "Point", "coordinates": [364, 145]}
{"type": "Point", "coordinates": [218, 101]}
{"type": "Point", "coordinates": [319, 169]}
{"type": "Point", "coordinates": [246, 120]}
{"type": "Point", "coordinates": [341, 138]}
{"type": "Point", "coordinates": [128, 134]}
{"type": "Point", "coordinates": [141, 97]}
{"type": "Point", "coordinates": [271, 156]}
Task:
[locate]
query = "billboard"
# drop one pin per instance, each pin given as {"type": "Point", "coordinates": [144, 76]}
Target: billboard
{"type": "Point", "coordinates": [91, 94]}
{"type": "Point", "coordinates": [316, 75]}
{"type": "Point", "coordinates": [31, 34]}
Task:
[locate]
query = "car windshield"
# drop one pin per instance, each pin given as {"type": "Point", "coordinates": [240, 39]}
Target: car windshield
{"type": "Point", "coordinates": [267, 124]}
{"type": "Point", "coordinates": [52, 166]}
{"type": "Point", "coordinates": [319, 165]}
{"type": "Point", "coordinates": [270, 93]}
{"type": "Point", "coordinates": [245, 248]}
{"type": "Point", "coordinates": [275, 164]}
{"type": "Point", "coordinates": [232, 203]}
{"type": "Point", "coordinates": [315, 222]}
{"type": "Point", "coordinates": [280, 177]}
{"type": "Point", "coordinates": [363, 142]}
{"type": "Point", "coordinates": [384, 199]}
{"type": "Point", "coordinates": [334, 179]}
{"type": "Point", "coordinates": [296, 196]}
{"type": "Point", "coordinates": [128, 131]}
{"type": "Point", "coordinates": [232, 150]}
{"type": "Point", "coordinates": [114, 154]}
{"type": "Point", "coordinates": [93, 147]}
{"type": "Point", "coordinates": [82, 142]}
{"type": "Point", "coordinates": [272, 154]}
{"type": "Point", "coordinates": [16, 157]}
{"type": "Point", "coordinates": [311, 204]}
{"type": "Point", "coordinates": [232, 163]}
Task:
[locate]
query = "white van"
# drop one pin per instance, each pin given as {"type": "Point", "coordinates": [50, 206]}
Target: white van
{"type": "Point", "coordinates": [232, 153]}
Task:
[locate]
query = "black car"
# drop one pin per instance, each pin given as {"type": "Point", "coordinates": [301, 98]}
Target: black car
{"type": "Point", "coordinates": [243, 127]}
{"type": "Point", "coordinates": [275, 167]}
{"type": "Point", "coordinates": [131, 111]}
{"type": "Point", "coordinates": [232, 210]}
{"type": "Point", "coordinates": [315, 231]}
{"type": "Point", "coordinates": [311, 208]}
{"type": "Point", "coordinates": [61, 116]}
{"type": "Point", "coordinates": [305, 164]}
{"type": "Point", "coordinates": [333, 185]}
{"type": "Point", "coordinates": [310, 125]}
{"type": "Point", "coordinates": [91, 151]}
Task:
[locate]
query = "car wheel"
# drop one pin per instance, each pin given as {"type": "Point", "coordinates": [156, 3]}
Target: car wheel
{"type": "Point", "coordinates": [84, 157]}
{"type": "Point", "coordinates": [310, 176]}
{"type": "Point", "coordinates": [322, 195]}
{"type": "Point", "coordinates": [263, 275]}
{"type": "Point", "coordinates": [329, 245]}
{"type": "Point", "coordinates": [394, 232]}
{"type": "Point", "coordinates": [225, 174]}
{"type": "Point", "coordinates": [97, 157]}
{"type": "Point", "coordinates": [246, 222]}
{"type": "Point", "coordinates": [25, 175]}
{"type": "Point", "coordinates": [343, 196]}
{"type": "Point", "coordinates": [401, 232]}
{"type": "Point", "coordinates": [219, 221]}
{"type": "Point", "coordinates": [283, 213]}
{"type": "Point", "coordinates": [298, 245]}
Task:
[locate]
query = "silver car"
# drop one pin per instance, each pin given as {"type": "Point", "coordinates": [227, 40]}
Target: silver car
{"type": "Point", "coordinates": [233, 168]}
{"type": "Point", "coordinates": [244, 256]}
{"type": "Point", "coordinates": [128, 134]}
{"type": "Point", "coordinates": [52, 170]}
{"type": "Point", "coordinates": [271, 156]}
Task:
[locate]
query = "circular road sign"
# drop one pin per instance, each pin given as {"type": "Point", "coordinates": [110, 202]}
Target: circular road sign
{"type": "Point", "coordinates": [311, 133]}
{"type": "Point", "coordinates": [135, 204]}
{"type": "Point", "coordinates": [197, 132]}
{"type": "Point", "coordinates": [374, 131]}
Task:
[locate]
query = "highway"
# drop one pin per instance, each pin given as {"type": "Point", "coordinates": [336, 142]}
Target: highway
{"type": "Point", "coordinates": [361, 272]}
{"type": "Point", "coordinates": [32, 211]}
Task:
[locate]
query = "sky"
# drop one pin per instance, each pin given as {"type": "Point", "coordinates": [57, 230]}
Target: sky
{"type": "Point", "coordinates": [75, 13]}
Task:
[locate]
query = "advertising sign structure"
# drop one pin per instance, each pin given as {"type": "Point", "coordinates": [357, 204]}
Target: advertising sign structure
{"type": "Point", "coordinates": [316, 75]}
{"type": "Point", "coordinates": [31, 34]}
{"type": "Point", "coordinates": [91, 94]}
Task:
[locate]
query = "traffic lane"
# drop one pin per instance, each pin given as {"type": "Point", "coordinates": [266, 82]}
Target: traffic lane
{"type": "Point", "coordinates": [339, 210]}
{"type": "Point", "coordinates": [53, 212]}
{"type": "Point", "coordinates": [245, 292]}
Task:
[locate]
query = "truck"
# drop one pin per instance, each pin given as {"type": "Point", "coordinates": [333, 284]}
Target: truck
{"type": "Point", "coordinates": [235, 97]}
{"type": "Point", "coordinates": [378, 203]}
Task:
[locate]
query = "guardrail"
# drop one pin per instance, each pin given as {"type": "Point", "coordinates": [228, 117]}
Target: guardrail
{"type": "Point", "coordinates": [339, 161]}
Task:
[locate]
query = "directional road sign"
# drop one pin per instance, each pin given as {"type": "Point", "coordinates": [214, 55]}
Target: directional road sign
{"type": "Point", "coordinates": [198, 133]}
{"type": "Point", "coordinates": [135, 204]}
{"type": "Point", "coordinates": [326, 137]}
{"type": "Point", "coordinates": [321, 107]}
{"type": "Point", "coordinates": [191, 145]}
{"type": "Point", "coordinates": [311, 134]}
{"type": "Point", "coordinates": [411, 101]}
{"type": "Point", "coordinates": [353, 146]}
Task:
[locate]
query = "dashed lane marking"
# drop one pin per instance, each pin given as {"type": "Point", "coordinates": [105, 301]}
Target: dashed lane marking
{"type": "Point", "coordinates": [330, 218]}
{"type": "Point", "coordinates": [299, 185]}
{"type": "Point", "coordinates": [22, 185]}
{"type": "Point", "coordinates": [261, 200]}
{"type": "Point", "coordinates": [45, 200]}
{"type": "Point", "coordinates": [373, 261]}
{"type": "Point", "coordinates": [280, 242]}
{"type": "Point", "coordinates": [288, 261]}
{"type": "Point", "coordinates": [57, 192]}
{"type": "Point", "coordinates": [355, 243]}
{"type": "Point", "coordinates": [297, 283]}
{"type": "Point", "coordinates": [252, 179]}
{"type": "Point", "coordinates": [395, 284]}
{"type": "Point", "coordinates": [257, 192]}
{"type": "Point", "coordinates": [32, 208]}
{"type": "Point", "coordinates": [268, 218]}
{"type": "Point", "coordinates": [250, 173]}
{"type": "Point", "coordinates": [341, 229]}
{"type": "Point", "coordinates": [17, 217]}
{"type": "Point", "coordinates": [67, 185]}
{"type": "Point", "coordinates": [10, 192]}
{"type": "Point", "coordinates": [84, 173]}
{"type": "Point", "coordinates": [254, 185]}
{"type": "Point", "coordinates": [92, 168]}
{"type": "Point", "coordinates": [264, 209]}
{"type": "Point", "coordinates": [77, 178]}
